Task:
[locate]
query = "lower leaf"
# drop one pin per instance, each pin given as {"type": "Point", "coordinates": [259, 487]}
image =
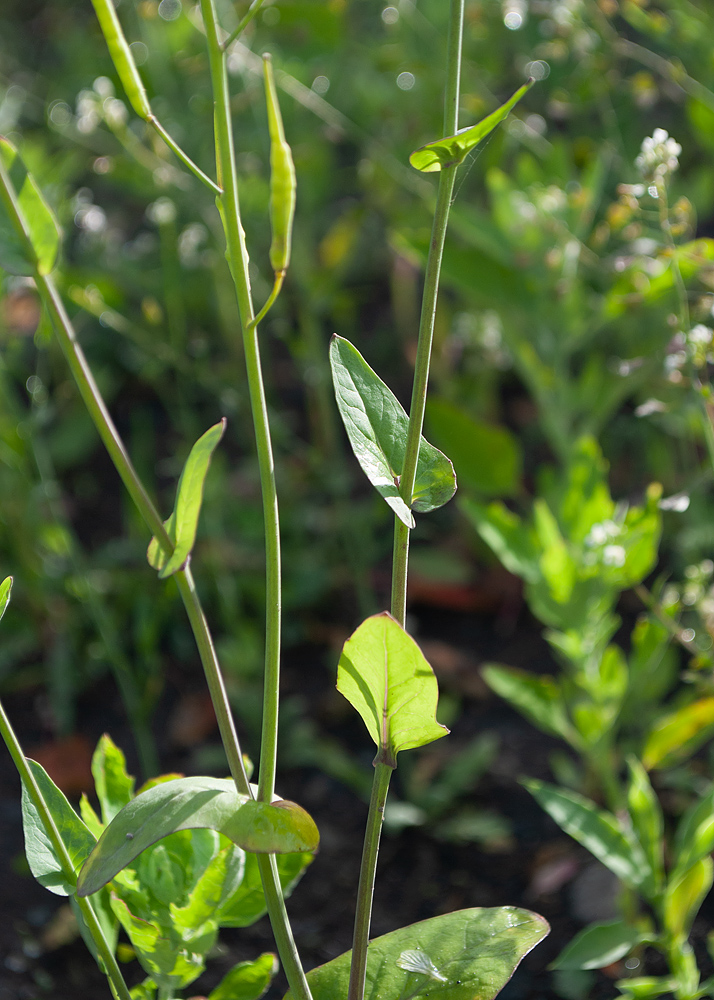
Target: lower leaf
{"type": "Point", "coordinates": [466, 955]}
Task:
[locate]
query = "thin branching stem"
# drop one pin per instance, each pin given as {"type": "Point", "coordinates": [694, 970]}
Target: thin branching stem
{"type": "Point", "coordinates": [113, 972]}
{"type": "Point", "coordinates": [400, 560]}
{"type": "Point", "coordinates": [237, 255]}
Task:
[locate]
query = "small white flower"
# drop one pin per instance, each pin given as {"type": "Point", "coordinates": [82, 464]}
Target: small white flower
{"type": "Point", "coordinates": [600, 533]}
{"type": "Point", "coordinates": [659, 156]}
{"type": "Point", "coordinates": [613, 555]}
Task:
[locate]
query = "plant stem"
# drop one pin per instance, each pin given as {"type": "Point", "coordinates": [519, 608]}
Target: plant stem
{"type": "Point", "coordinates": [368, 869]}
{"type": "Point", "coordinates": [186, 160]}
{"type": "Point", "coordinates": [115, 446]}
{"type": "Point", "coordinates": [400, 560]}
{"type": "Point", "coordinates": [428, 313]}
{"type": "Point", "coordinates": [28, 779]}
{"type": "Point", "coordinates": [237, 255]}
{"type": "Point", "coordinates": [245, 21]}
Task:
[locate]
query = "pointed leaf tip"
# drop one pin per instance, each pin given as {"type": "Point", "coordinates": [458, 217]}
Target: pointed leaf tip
{"type": "Point", "coordinates": [386, 678]}
{"type": "Point", "coordinates": [181, 526]}
{"type": "Point", "coordinates": [377, 426]}
{"type": "Point", "coordinates": [450, 151]}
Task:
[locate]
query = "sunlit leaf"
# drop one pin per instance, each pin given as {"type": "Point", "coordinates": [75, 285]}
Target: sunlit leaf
{"type": "Point", "coordinates": [183, 522]}
{"type": "Point", "coordinates": [36, 245]}
{"type": "Point", "coordinates": [114, 787]}
{"type": "Point", "coordinates": [597, 830]}
{"type": "Point", "coordinates": [507, 535]}
{"type": "Point", "coordinates": [599, 945]}
{"type": "Point", "coordinates": [646, 815]}
{"type": "Point", "coordinates": [678, 735]}
{"type": "Point", "coordinates": [465, 955]}
{"type": "Point", "coordinates": [5, 591]}
{"type": "Point", "coordinates": [384, 675]}
{"type": "Point", "coordinates": [538, 697]}
{"type": "Point", "coordinates": [452, 150]}
{"type": "Point", "coordinates": [247, 980]}
{"type": "Point", "coordinates": [247, 904]}
{"type": "Point", "coordinates": [694, 838]}
{"type": "Point", "coordinates": [196, 803]}
{"type": "Point", "coordinates": [170, 966]}
{"type": "Point", "coordinates": [684, 895]}
{"type": "Point", "coordinates": [376, 425]}
{"type": "Point", "coordinates": [41, 855]}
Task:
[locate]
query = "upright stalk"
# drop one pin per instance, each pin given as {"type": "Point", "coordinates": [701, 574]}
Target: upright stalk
{"type": "Point", "coordinates": [115, 446]}
{"type": "Point", "coordinates": [113, 972]}
{"type": "Point", "coordinates": [400, 559]}
{"type": "Point", "coordinates": [237, 255]}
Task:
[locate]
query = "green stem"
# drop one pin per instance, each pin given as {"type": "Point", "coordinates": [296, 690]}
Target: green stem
{"type": "Point", "coordinates": [238, 261]}
{"type": "Point", "coordinates": [237, 256]}
{"type": "Point", "coordinates": [28, 779]}
{"type": "Point", "coordinates": [186, 160]}
{"type": "Point", "coordinates": [428, 313]}
{"type": "Point", "coordinates": [115, 446]}
{"type": "Point", "coordinates": [277, 285]}
{"type": "Point", "coordinates": [383, 771]}
{"type": "Point", "coordinates": [253, 10]}
{"type": "Point", "coordinates": [368, 869]}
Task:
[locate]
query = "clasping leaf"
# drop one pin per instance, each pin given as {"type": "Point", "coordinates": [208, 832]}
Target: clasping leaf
{"type": "Point", "coordinates": [181, 526]}
{"type": "Point", "coordinates": [377, 425]}
{"type": "Point", "coordinates": [200, 803]}
{"type": "Point", "coordinates": [384, 675]}
{"type": "Point", "coordinates": [451, 151]}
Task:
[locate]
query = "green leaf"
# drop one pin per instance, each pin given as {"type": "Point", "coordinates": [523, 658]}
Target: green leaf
{"type": "Point", "coordinates": [376, 425]}
{"type": "Point", "coordinates": [247, 904]}
{"type": "Point", "coordinates": [466, 955]}
{"type": "Point", "coordinates": [646, 815]}
{"type": "Point", "coordinates": [598, 831]}
{"type": "Point", "coordinates": [599, 945]}
{"type": "Point", "coordinates": [190, 804]}
{"type": "Point", "coordinates": [678, 735]}
{"type": "Point", "coordinates": [486, 458]}
{"type": "Point", "coordinates": [556, 563]}
{"type": "Point", "coordinates": [646, 987]}
{"type": "Point", "coordinates": [21, 252]}
{"type": "Point", "coordinates": [183, 522]}
{"type": "Point", "coordinates": [247, 980]}
{"type": "Point", "coordinates": [220, 879]}
{"type": "Point", "coordinates": [694, 838]}
{"type": "Point", "coordinates": [5, 590]}
{"type": "Point", "coordinates": [144, 991]}
{"type": "Point", "coordinates": [509, 538]}
{"type": "Point", "coordinates": [101, 905]}
{"type": "Point", "coordinates": [383, 674]}
{"type": "Point", "coordinates": [538, 697]}
{"type": "Point", "coordinates": [169, 964]}
{"type": "Point", "coordinates": [113, 785]}
{"type": "Point", "coordinates": [41, 857]}
{"type": "Point", "coordinates": [684, 895]}
{"type": "Point", "coordinates": [450, 151]}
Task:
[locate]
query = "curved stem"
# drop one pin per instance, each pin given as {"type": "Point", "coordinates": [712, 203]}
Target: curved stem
{"type": "Point", "coordinates": [183, 157]}
{"type": "Point", "coordinates": [28, 779]}
{"type": "Point", "coordinates": [123, 464]}
{"type": "Point", "coordinates": [245, 21]}
{"type": "Point", "coordinates": [277, 285]}
{"type": "Point", "coordinates": [237, 256]}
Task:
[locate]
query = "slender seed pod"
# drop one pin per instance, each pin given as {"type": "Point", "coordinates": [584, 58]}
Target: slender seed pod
{"type": "Point", "coordinates": [122, 58]}
{"type": "Point", "coordinates": [282, 178]}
